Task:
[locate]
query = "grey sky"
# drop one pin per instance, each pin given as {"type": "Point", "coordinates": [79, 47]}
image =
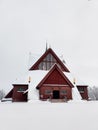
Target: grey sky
{"type": "Point", "coordinates": [69, 26]}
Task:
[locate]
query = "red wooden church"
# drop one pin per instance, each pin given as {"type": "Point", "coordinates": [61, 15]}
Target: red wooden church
{"type": "Point", "coordinates": [54, 84]}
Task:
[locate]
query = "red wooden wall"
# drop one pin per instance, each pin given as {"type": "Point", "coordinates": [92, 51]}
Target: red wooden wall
{"type": "Point", "coordinates": [55, 82]}
{"type": "Point", "coordinates": [18, 93]}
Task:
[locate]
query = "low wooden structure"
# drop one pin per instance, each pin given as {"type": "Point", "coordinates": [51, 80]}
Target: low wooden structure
{"type": "Point", "coordinates": [19, 93]}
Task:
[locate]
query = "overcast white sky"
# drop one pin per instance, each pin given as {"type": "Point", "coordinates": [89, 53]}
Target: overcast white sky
{"type": "Point", "coordinates": [69, 26]}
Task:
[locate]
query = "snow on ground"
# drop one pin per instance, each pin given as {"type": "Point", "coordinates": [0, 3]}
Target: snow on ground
{"type": "Point", "coordinates": [40, 115]}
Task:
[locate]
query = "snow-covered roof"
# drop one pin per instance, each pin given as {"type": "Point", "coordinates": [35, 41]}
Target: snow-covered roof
{"type": "Point", "coordinates": [33, 58]}
{"type": "Point", "coordinates": [37, 75]}
{"type": "Point", "coordinates": [72, 77]}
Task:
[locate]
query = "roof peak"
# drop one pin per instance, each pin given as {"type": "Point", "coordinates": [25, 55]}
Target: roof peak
{"type": "Point", "coordinates": [47, 60]}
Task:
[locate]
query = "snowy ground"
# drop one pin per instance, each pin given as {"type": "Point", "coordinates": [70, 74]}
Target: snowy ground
{"type": "Point", "coordinates": [49, 116]}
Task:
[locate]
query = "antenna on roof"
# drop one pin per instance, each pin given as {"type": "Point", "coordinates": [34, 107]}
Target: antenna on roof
{"type": "Point", "coordinates": [46, 45]}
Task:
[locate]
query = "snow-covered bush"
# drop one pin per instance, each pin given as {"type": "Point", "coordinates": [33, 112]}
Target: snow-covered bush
{"type": "Point", "coordinates": [93, 93]}
{"type": "Point", "coordinates": [2, 94]}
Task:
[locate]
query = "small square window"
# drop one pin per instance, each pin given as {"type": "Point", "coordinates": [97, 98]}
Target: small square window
{"type": "Point", "coordinates": [63, 92]}
{"type": "Point", "coordinates": [81, 89]}
{"type": "Point", "coordinates": [21, 89]}
{"type": "Point", "coordinates": [48, 92]}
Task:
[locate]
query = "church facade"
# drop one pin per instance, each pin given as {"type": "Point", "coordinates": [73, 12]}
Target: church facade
{"type": "Point", "coordinates": [54, 85]}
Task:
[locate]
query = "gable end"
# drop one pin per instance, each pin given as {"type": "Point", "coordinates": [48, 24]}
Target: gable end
{"type": "Point", "coordinates": [45, 62]}
{"type": "Point", "coordinates": [58, 69]}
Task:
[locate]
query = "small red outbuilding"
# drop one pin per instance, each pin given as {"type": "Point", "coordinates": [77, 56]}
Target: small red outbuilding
{"type": "Point", "coordinates": [20, 93]}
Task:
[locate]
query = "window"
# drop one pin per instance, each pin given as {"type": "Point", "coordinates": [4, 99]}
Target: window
{"type": "Point", "coordinates": [40, 65]}
{"type": "Point", "coordinates": [48, 58]}
{"type": "Point", "coordinates": [48, 92]}
{"type": "Point", "coordinates": [63, 92]}
{"type": "Point", "coordinates": [48, 65]}
{"type": "Point", "coordinates": [21, 89]}
{"type": "Point", "coordinates": [47, 62]}
{"type": "Point", "coordinates": [81, 89]}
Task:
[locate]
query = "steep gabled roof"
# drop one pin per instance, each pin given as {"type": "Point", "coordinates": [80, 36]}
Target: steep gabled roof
{"type": "Point", "coordinates": [49, 51]}
{"type": "Point", "coordinates": [50, 72]}
{"type": "Point", "coordinates": [9, 95]}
